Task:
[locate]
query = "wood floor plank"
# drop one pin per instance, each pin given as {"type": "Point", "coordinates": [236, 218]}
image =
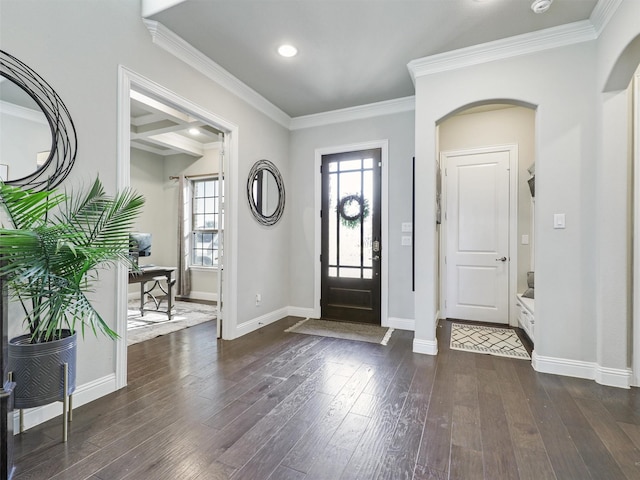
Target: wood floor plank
{"type": "Point", "coordinates": [366, 459]}
{"type": "Point", "coordinates": [402, 450]}
{"type": "Point", "coordinates": [266, 458]}
{"type": "Point", "coordinates": [263, 432]}
{"type": "Point", "coordinates": [597, 458]}
{"type": "Point", "coordinates": [307, 450]}
{"type": "Point", "coordinates": [559, 444]}
{"type": "Point", "coordinates": [614, 438]}
{"type": "Point", "coordinates": [528, 446]}
{"type": "Point", "coordinates": [285, 473]}
{"type": "Point", "coordinates": [288, 406]}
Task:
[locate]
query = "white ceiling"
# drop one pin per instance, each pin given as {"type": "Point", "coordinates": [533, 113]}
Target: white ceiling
{"type": "Point", "coordinates": [351, 52]}
{"type": "Point", "coordinates": [163, 130]}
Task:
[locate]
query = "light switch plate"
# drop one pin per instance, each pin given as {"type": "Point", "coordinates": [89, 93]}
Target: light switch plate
{"type": "Point", "coordinates": [407, 227]}
{"type": "Point", "coordinates": [558, 220]}
{"type": "Point", "coordinates": [406, 241]}
{"type": "Point", "coordinates": [525, 240]}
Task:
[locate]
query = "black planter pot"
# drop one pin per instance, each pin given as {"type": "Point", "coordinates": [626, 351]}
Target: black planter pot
{"type": "Point", "coordinates": [38, 369]}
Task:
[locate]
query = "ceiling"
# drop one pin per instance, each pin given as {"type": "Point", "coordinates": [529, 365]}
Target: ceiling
{"type": "Point", "coordinates": [163, 130]}
{"type": "Point", "coordinates": [350, 52]}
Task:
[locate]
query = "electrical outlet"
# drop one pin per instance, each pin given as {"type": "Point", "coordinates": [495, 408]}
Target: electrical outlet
{"type": "Point", "coordinates": [258, 299]}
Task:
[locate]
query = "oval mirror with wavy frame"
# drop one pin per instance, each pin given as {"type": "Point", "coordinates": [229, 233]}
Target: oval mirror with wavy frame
{"type": "Point", "coordinates": [265, 192]}
{"type": "Point", "coordinates": [38, 144]}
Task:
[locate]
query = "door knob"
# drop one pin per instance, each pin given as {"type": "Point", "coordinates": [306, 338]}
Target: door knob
{"type": "Point", "coordinates": [503, 259]}
{"type": "Point", "coordinates": [376, 257]}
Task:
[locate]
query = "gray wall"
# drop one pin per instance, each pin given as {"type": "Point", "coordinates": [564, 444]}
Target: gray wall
{"type": "Point", "coordinates": [399, 130]}
{"type": "Point", "coordinates": [77, 47]}
{"type": "Point", "coordinates": [513, 125]}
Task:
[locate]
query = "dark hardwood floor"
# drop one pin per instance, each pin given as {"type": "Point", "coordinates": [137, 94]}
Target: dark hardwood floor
{"type": "Point", "coordinates": [288, 406]}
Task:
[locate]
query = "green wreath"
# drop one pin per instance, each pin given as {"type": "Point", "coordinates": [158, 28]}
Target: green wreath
{"type": "Point", "coordinates": [352, 221]}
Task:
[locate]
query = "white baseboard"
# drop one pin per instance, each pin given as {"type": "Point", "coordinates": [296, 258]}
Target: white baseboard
{"type": "Point", "coordinates": [427, 347]}
{"type": "Point", "coordinates": [261, 321]}
{"type": "Point", "coordinates": [611, 377]}
{"type": "Point", "coordinates": [401, 323]}
{"type": "Point", "coordinates": [213, 297]}
{"type": "Point", "coordinates": [85, 393]}
{"type": "Point", "coordinates": [302, 312]}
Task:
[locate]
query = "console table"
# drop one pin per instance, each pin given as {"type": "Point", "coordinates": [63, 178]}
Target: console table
{"type": "Point", "coordinates": [152, 273]}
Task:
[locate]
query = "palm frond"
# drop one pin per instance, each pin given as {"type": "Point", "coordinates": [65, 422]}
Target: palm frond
{"type": "Point", "coordinates": [57, 242]}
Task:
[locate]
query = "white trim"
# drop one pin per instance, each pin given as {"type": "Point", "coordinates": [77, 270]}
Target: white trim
{"type": "Point", "coordinates": [602, 13]}
{"type": "Point", "coordinates": [513, 223]}
{"type": "Point", "coordinates": [563, 366]}
{"type": "Point", "coordinates": [180, 48]}
{"type": "Point", "coordinates": [401, 323]}
{"type": "Point", "coordinates": [301, 312]}
{"type": "Point", "coordinates": [610, 377]}
{"type": "Point", "coordinates": [84, 394]}
{"type": "Point", "coordinates": [261, 321]}
{"type": "Point", "coordinates": [426, 347]}
{"type": "Point", "coordinates": [517, 45]}
{"type": "Point", "coordinates": [151, 7]}
{"type": "Point", "coordinates": [635, 353]}
{"type": "Point", "coordinates": [127, 79]}
{"type": "Point", "coordinates": [378, 109]}
{"type": "Point", "coordinates": [213, 297]}
{"type": "Point", "coordinates": [613, 377]}
{"type": "Point", "coordinates": [384, 282]}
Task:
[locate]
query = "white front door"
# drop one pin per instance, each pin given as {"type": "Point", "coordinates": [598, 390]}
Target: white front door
{"type": "Point", "coordinates": [477, 234]}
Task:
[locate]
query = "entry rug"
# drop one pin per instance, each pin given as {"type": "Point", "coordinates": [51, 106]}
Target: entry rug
{"type": "Point", "coordinates": [502, 342]}
{"type": "Point", "coordinates": [153, 324]}
{"type": "Point", "coordinates": [350, 331]}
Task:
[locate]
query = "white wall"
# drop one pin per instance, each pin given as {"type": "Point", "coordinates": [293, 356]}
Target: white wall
{"type": "Point", "coordinates": [512, 125]}
{"type": "Point", "coordinates": [561, 83]}
{"type": "Point", "coordinates": [77, 47]}
{"type": "Point", "coordinates": [618, 56]}
{"type": "Point", "coordinates": [399, 130]}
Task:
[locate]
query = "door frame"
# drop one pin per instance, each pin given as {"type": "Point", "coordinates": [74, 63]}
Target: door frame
{"type": "Point", "coordinates": [513, 223]}
{"type": "Point", "coordinates": [383, 145]}
{"type": "Point", "coordinates": [635, 355]}
{"type": "Point", "coordinates": [128, 80]}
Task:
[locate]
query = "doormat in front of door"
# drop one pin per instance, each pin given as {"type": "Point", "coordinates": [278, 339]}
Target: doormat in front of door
{"type": "Point", "coordinates": [502, 342]}
{"type": "Point", "coordinates": [350, 331]}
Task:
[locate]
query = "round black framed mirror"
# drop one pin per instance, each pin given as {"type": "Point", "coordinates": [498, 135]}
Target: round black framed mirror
{"type": "Point", "coordinates": [265, 192]}
{"type": "Point", "coordinates": [27, 100]}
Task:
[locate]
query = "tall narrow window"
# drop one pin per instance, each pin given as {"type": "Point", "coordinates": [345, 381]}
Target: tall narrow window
{"type": "Point", "coordinates": [205, 222]}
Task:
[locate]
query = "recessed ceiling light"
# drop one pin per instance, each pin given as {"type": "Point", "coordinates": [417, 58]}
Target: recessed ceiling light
{"type": "Point", "coordinates": [287, 50]}
{"type": "Point", "coordinates": [541, 6]}
{"type": "Point", "coordinates": [194, 131]}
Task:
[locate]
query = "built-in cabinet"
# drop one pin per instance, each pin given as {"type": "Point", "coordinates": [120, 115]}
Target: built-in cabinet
{"type": "Point", "coordinates": [526, 317]}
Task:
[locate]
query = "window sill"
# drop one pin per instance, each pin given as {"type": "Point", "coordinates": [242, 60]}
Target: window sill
{"type": "Point", "coordinates": [202, 268]}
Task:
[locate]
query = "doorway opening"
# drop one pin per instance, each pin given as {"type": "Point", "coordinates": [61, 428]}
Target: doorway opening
{"type": "Point", "coordinates": [487, 231]}
{"type": "Point", "coordinates": [186, 176]}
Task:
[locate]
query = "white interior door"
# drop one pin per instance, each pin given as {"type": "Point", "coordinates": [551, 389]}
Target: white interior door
{"type": "Point", "coordinates": [477, 235]}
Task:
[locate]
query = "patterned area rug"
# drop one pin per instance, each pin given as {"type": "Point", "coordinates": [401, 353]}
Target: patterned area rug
{"type": "Point", "coordinates": [502, 342]}
{"type": "Point", "coordinates": [153, 324]}
{"type": "Point", "coordinates": [350, 331]}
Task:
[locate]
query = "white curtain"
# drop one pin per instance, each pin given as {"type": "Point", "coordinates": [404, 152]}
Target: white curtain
{"type": "Point", "coordinates": [184, 232]}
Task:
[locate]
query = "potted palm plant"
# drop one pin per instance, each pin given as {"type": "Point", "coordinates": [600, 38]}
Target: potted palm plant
{"type": "Point", "coordinates": [52, 245]}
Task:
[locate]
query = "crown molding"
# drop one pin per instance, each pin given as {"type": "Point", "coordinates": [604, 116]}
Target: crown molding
{"type": "Point", "coordinates": [602, 13]}
{"type": "Point", "coordinates": [524, 44]}
{"type": "Point", "coordinates": [387, 107]}
{"type": "Point", "coordinates": [177, 46]}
